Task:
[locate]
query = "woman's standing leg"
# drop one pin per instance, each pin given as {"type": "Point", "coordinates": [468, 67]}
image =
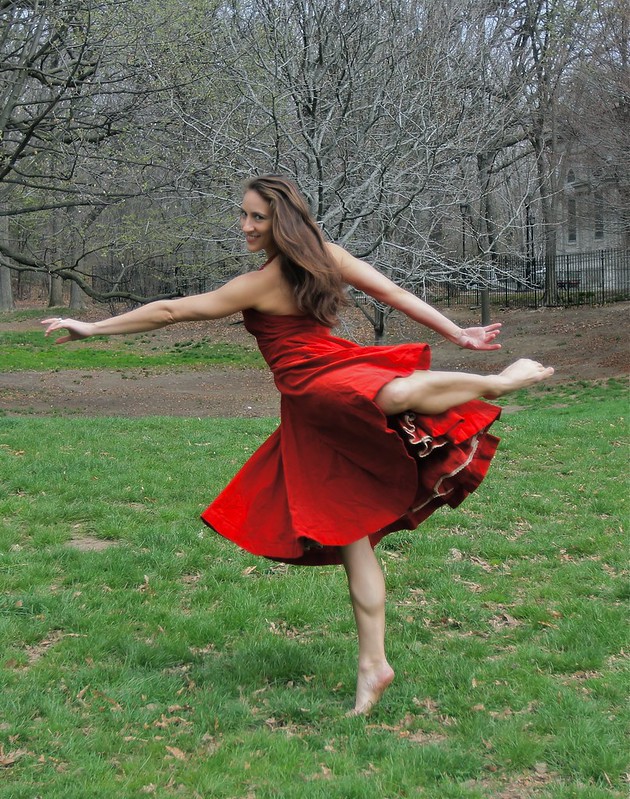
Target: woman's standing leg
{"type": "Point", "coordinates": [367, 592]}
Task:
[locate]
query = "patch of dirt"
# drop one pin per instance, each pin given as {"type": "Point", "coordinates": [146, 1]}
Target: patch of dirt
{"type": "Point", "coordinates": [132, 393]}
{"type": "Point", "coordinates": [583, 343]}
{"type": "Point", "coordinates": [89, 543]}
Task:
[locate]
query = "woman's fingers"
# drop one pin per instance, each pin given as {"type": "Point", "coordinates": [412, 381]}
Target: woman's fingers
{"type": "Point", "coordinates": [57, 323]}
{"type": "Point", "coordinates": [54, 323]}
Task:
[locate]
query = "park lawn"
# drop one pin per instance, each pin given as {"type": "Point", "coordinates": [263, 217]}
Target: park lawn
{"type": "Point", "coordinates": [143, 655]}
{"type": "Point", "coordinates": [30, 350]}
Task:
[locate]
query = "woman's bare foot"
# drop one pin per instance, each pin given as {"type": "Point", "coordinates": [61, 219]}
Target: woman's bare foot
{"type": "Point", "coordinates": [521, 374]}
{"type": "Point", "coordinates": [371, 685]}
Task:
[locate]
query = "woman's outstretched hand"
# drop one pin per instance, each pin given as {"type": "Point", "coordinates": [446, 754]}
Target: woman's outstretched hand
{"type": "Point", "coordinates": [76, 330]}
{"type": "Point", "coordinates": [479, 338]}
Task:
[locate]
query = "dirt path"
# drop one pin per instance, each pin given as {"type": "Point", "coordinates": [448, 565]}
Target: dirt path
{"type": "Point", "coordinates": [586, 343]}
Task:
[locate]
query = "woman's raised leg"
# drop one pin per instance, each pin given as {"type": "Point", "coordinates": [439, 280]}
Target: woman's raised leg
{"type": "Point", "coordinates": [367, 592]}
{"type": "Point", "coordinates": [435, 392]}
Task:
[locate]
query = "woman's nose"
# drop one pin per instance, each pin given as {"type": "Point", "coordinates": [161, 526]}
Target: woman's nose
{"type": "Point", "coordinates": [246, 224]}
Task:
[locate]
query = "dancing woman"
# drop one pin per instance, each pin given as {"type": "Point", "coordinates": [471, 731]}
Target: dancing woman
{"type": "Point", "coordinates": [370, 439]}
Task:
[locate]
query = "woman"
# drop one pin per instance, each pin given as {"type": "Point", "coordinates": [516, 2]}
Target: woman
{"type": "Point", "coordinates": [370, 440]}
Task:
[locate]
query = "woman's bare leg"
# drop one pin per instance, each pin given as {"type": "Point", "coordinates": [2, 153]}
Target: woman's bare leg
{"type": "Point", "coordinates": [435, 392]}
{"type": "Point", "coordinates": [367, 592]}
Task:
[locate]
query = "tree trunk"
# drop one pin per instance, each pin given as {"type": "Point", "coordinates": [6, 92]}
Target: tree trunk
{"type": "Point", "coordinates": [6, 290]}
{"type": "Point", "coordinates": [547, 192]}
{"type": "Point", "coordinates": [379, 325]}
{"type": "Point", "coordinates": [550, 295]}
{"type": "Point", "coordinates": [55, 295]}
{"type": "Point", "coordinates": [488, 230]}
{"type": "Point", "coordinates": [77, 295]}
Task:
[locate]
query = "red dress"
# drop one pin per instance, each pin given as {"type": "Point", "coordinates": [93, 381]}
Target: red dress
{"type": "Point", "coordinates": [337, 469]}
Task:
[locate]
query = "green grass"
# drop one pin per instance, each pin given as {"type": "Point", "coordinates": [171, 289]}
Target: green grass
{"type": "Point", "coordinates": [171, 664]}
{"type": "Point", "coordinates": [32, 351]}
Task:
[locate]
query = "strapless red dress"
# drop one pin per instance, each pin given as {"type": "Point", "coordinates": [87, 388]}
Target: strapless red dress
{"type": "Point", "coordinates": [337, 469]}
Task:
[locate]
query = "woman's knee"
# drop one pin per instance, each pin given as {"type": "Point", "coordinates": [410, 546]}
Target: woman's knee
{"type": "Point", "coordinates": [397, 395]}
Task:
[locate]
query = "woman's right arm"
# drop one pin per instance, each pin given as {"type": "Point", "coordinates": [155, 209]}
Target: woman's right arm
{"type": "Point", "coordinates": [244, 291]}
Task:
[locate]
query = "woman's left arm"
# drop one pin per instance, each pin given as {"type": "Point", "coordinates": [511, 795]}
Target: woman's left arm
{"type": "Point", "coordinates": [364, 277]}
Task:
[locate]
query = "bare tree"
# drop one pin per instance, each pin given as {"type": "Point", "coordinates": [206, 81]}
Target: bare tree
{"type": "Point", "coordinates": [492, 90]}
{"type": "Point", "coordinates": [76, 89]}
{"type": "Point", "coordinates": [362, 104]}
{"type": "Point", "coordinates": [6, 289]}
{"type": "Point", "coordinates": [134, 124]}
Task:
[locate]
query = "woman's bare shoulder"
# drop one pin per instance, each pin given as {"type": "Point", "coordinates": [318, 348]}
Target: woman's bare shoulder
{"type": "Point", "coordinates": [363, 276]}
{"type": "Point", "coordinates": [349, 266]}
{"type": "Point", "coordinates": [274, 294]}
{"type": "Point", "coordinates": [335, 251]}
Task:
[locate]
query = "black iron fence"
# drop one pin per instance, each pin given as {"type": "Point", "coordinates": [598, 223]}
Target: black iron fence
{"type": "Point", "coordinates": [591, 278]}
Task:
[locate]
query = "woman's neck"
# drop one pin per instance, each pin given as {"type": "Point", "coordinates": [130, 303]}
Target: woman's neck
{"type": "Point", "coordinates": [270, 258]}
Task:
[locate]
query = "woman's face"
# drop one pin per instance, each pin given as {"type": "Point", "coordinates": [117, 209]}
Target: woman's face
{"type": "Point", "coordinates": [256, 223]}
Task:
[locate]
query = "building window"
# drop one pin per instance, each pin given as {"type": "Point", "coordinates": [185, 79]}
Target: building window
{"type": "Point", "coordinates": [599, 215]}
{"type": "Point", "coordinates": [571, 220]}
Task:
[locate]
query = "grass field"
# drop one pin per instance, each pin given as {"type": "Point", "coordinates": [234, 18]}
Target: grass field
{"type": "Point", "coordinates": [31, 351]}
{"type": "Point", "coordinates": [142, 655]}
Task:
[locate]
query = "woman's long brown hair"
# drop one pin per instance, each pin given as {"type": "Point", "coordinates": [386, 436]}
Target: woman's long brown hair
{"type": "Point", "coordinates": [304, 260]}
